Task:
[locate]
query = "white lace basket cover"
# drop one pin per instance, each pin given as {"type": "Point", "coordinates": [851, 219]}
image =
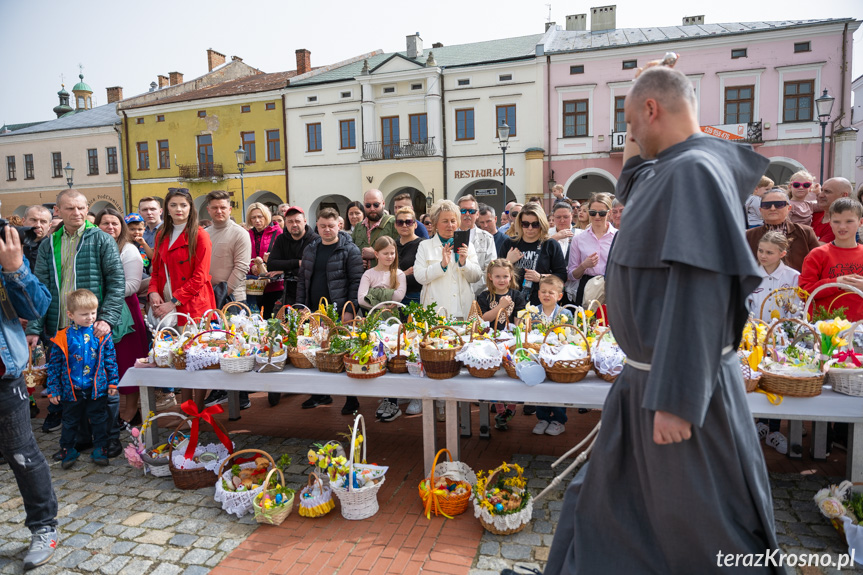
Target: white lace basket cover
{"type": "Point", "coordinates": [504, 522]}
{"type": "Point", "coordinates": [608, 358]}
{"type": "Point", "coordinates": [179, 460]}
{"type": "Point", "coordinates": [236, 502]}
{"type": "Point", "coordinates": [551, 354]}
{"type": "Point", "coordinates": [480, 354]}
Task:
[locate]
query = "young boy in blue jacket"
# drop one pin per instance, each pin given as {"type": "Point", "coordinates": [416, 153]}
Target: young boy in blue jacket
{"type": "Point", "coordinates": [82, 372]}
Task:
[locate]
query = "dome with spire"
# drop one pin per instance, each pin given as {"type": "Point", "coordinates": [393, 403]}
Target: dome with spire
{"type": "Point", "coordinates": [83, 94]}
{"type": "Point", "coordinates": [81, 86]}
{"type": "Point", "coordinates": [63, 108]}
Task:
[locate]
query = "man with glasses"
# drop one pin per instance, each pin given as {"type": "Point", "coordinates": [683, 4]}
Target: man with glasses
{"type": "Point", "coordinates": [832, 190]}
{"type": "Point", "coordinates": [375, 225]}
{"type": "Point", "coordinates": [404, 201]}
{"type": "Point", "coordinates": [481, 240]}
{"type": "Point", "coordinates": [512, 211]}
{"type": "Point", "coordinates": [774, 212]}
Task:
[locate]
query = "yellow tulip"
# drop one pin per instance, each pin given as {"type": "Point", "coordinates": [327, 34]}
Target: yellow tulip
{"type": "Point", "coordinates": [838, 341]}
{"type": "Point", "coordinates": [755, 357]}
{"type": "Point", "coordinates": [827, 328]}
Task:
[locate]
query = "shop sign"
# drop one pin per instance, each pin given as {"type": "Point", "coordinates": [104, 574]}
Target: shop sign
{"type": "Point", "coordinates": [485, 192]}
{"type": "Point", "coordinates": [726, 131]}
{"type": "Point", "coordinates": [618, 140]}
{"type": "Point", "coordinates": [492, 173]}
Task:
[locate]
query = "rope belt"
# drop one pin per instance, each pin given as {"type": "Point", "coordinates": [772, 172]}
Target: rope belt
{"type": "Point", "coordinates": [646, 366]}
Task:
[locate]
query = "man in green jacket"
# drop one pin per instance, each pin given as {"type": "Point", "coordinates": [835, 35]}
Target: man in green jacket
{"type": "Point", "coordinates": [80, 255]}
{"type": "Point", "coordinates": [375, 225]}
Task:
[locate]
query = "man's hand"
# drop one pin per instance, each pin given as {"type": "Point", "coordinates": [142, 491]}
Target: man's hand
{"type": "Point", "coordinates": [101, 328]}
{"type": "Point", "coordinates": [409, 271]}
{"type": "Point", "coordinates": [54, 400]}
{"type": "Point", "coordinates": [368, 254]}
{"type": "Point", "coordinates": [112, 391]}
{"type": "Point", "coordinates": [33, 340]}
{"type": "Point", "coordinates": [11, 254]}
{"type": "Point", "coordinates": [668, 428]}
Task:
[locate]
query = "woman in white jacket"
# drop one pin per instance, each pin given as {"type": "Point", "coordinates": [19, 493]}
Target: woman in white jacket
{"type": "Point", "coordinates": [446, 276]}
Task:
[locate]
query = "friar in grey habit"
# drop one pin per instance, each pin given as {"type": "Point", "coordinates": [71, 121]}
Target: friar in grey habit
{"type": "Point", "coordinates": [677, 475]}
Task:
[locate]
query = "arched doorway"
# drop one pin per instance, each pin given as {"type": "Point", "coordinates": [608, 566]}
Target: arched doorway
{"type": "Point", "coordinates": [418, 200]}
{"type": "Point", "coordinates": [584, 183]}
{"type": "Point", "coordinates": [269, 199]}
{"type": "Point", "coordinates": [781, 169]}
{"type": "Point", "coordinates": [399, 183]}
{"type": "Point", "coordinates": [201, 207]}
{"type": "Point", "coordinates": [335, 201]}
{"type": "Point", "coordinates": [488, 192]}
{"type": "Point", "coordinates": [101, 205]}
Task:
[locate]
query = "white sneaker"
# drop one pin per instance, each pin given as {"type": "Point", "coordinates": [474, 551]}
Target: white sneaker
{"type": "Point", "coordinates": [778, 442]}
{"type": "Point", "coordinates": [540, 427]}
{"type": "Point", "coordinates": [380, 410]}
{"type": "Point", "coordinates": [390, 412]}
{"type": "Point", "coordinates": [555, 428]}
{"type": "Point", "coordinates": [763, 430]}
{"type": "Point", "coordinates": [414, 407]}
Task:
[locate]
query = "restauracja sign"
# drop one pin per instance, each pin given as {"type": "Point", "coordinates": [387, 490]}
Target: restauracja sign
{"type": "Point", "coordinates": [493, 173]}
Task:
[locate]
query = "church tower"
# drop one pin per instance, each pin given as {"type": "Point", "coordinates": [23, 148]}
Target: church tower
{"type": "Point", "coordinates": [83, 95]}
{"type": "Point", "coordinates": [63, 108]}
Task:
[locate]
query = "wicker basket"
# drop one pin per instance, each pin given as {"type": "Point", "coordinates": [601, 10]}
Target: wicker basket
{"type": "Point", "coordinates": [297, 358]}
{"type": "Point", "coordinates": [243, 308]}
{"type": "Point", "coordinates": [482, 373]}
{"type": "Point", "coordinates": [239, 502]}
{"type": "Point", "coordinates": [229, 337]}
{"type": "Point", "coordinates": [374, 367]}
{"type": "Point", "coordinates": [163, 357]}
{"type": "Point", "coordinates": [277, 515]}
{"type": "Point", "coordinates": [848, 381]}
{"type": "Point", "coordinates": [599, 374]}
{"type": "Point", "coordinates": [316, 505]}
{"type": "Point", "coordinates": [518, 520]}
{"type": "Point", "coordinates": [205, 323]}
{"type": "Point", "coordinates": [439, 503]}
{"type": "Point", "coordinates": [256, 286]}
{"type": "Point", "coordinates": [237, 364]}
{"type": "Point", "coordinates": [191, 478]}
{"type": "Point", "coordinates": [158, 466]}
{"type": "Point", "coordinates": [790, 292]}
{"type": "Point", "coordinates": [785, 384]}
{"type": "Point", "coordinates": [398, 362]}
{"type": "Point", "coordinates": [569, 371]}
{"type": "Point", "coordinates": [34, 376]}
{"type": "Point", "coordinates": [331, 362]}
{"type": "Point", "coordinates": [440, 363]}
{"type": "Point", "coordinates": [359, 503]}
{"type": "Point", "coordinates": [509, 366]}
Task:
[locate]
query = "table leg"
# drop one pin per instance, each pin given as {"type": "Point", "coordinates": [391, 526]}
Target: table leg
{"type": "Point", "coordinates": [233, 405]}
{"type": "Point", "coordinates": [148, 404]}
{"type": "Point", "coordinates": [429, 439]}
{"type": "Point", "coordinates": [795, 439]}
{"type": "Point", "coordinates": [854, 456]}
{"type": "Point", "coordinates": [464, 418]}
{"type": "Point", "coordinates": [484, 423]}
{"type": "Point", "coordinates": [819, 439]}
{"type": "Point", "coordinates": [452, 438]}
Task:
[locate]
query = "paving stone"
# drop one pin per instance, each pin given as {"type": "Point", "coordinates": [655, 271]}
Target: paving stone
{"type": "Point", "coordinates": [155, 536]}
{"type": "Point", "coordinates": [542, 527]}
{"type": "Point", "coordinates": [489, 548]}
{"type": "Point", "coordinates": [113, 530]}
{"type": "Point", "coordinates": [215, 559]}
{"type": "Point", "coordinates": [186, 540]}
{"type": "Point", "coordinates": [136, 567]}
{"type": "Point", "coordinates": [137, 519]}
{"type": "Point", "coordinates": [74, 558]}
{"type": "Point", "coordinates": [482, 572]}
{"type": "Point", "coordinates": [95, 562]}
{"type": "Point", "coordinates": [197, 556]}
{"type": "Point", "coordinates": [132, 532]}
{"type": "Point", "coordinates": [513, 551]}
{"type": "Point", "coordinates": [172, 554]}
{"type": "Point", "coordinates": [78, 541]}
{"type": "Point", "coordinates": [206, 542]}
{"type": "Point", "coordinates": [524, 538]}
{"type": "Point", "coordinates": [75, 525]}
{"type": "Point", "coordinates": [100, 543]}
{"type": "Point", "coordinates": [812, 542]}
{"type": "Point", "coordinates": [91, 528]}
{"type": "Point", "coordinates": [122, 547]}
{"type": "Point", "coordinates": [492, 564]}
{"type": "Point", "coordinates": [198, 570]}
{"type": "Point", "coordinates": [146, 550]}
{"type": "Point", "coordinates": [541, 553]}
{"type": "Point", "coordinates": [166, 569]}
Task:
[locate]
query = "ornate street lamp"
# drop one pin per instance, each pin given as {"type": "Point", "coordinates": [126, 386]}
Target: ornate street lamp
{"type": "Point", "coordinates": [429, 199]}
{"type": "Point", "coordinates": [241, 165]}
{"type": "Point", "coordinates": [824, 105]}
{"type": "Point", "coordinates": [503, 138]}
{"type": "Point", "coordinates": [69, 171]}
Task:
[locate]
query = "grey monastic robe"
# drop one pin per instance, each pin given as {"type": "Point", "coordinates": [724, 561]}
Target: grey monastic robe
{"type": "Point", "coordinates": [677, 278]}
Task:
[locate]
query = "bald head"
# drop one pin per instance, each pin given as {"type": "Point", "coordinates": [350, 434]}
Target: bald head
{"type": "Point", "coordinates": [374, 203]}
{"type": "Point", "coordinates": [842, 185]}
{"type": "Point", "coordinates": [670, 88]}
{"type": "Point", "coordinates": [832, 190]}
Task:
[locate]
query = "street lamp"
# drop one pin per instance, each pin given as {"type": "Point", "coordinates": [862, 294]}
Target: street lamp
{"type": "Point", "coordinates": [69, 170]}
{"type": "Point", "coordinates": [241, 165]}
{"type": "Point", "coordinates": [429, 199]}
{"type": "Point", "coordinates": [503, 137]}
{"type": "Point", "coordinates": [824, 105]}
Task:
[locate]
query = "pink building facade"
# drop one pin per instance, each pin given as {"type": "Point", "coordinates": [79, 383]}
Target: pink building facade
{"type": "Point", "coordinates": [755, 82]}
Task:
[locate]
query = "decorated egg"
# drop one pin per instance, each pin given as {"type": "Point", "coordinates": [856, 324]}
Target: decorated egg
{"type": "Point", "coordinates": [498, 507]}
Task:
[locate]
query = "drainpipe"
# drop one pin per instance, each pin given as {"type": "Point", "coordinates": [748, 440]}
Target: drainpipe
{"type": "Point", "coordinates": [128, 165]}
{"type": "Point", "coordinates": [285, 156]}
{"type": "Point", "coordinates": [443, 129]}
{"type": "Point", "coordinates": [844, 71]}
{"type": "Point", "coordinates": [122, 168]}
{"type": "Point", "coordinates": [548, 114]}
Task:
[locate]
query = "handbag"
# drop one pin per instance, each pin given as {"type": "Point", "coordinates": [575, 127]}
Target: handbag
{"type": "Point", "coordinates": [594, 290]}
{"type": "Point", "coordinates": [220, 290]}
{"type": "Point", "coordinates": [151, 318]}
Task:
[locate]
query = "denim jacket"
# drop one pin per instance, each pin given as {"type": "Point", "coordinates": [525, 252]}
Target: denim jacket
{"type": "Point", "coordinates": [31, 299]}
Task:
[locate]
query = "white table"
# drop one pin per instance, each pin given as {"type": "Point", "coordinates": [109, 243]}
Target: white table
{"type": "Point", "coordinates": [590, 393]}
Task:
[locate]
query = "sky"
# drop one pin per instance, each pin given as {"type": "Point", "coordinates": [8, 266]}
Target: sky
{"type": "Point", "coordinates": [121, 43]}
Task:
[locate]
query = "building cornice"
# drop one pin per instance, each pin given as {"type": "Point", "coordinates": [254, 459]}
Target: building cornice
{"type": "Point", "coordinates": [269, 95]}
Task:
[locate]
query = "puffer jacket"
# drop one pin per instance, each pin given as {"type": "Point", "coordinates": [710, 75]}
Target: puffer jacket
{"type": "Point", "coordinates": [97, 268]}
{"type": "Point", "coordinates": [286, 255]}
{"type": "Point", "coordinates": [344, 272]}
{"type": "Point", "coordinates": [60, 371]}
{"type": "Point", "coordinates": [268, 241]}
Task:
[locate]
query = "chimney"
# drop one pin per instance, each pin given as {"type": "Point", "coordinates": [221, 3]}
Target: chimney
{"type": "Point", "coordinates": [304, 61]}
{"type": "Point", "coordinates": [236, 59]}
{"type": "Point", "coordinates": [176, 78]}
{"type": "Point", "coordinates": [693, 20]}
{"type": "Point", "coordinates": [415, 46]}
{"type": "Point", "coordinates": [576, 23]}
{"type": "Point", "coordinates": [437, 45]}
{"type": "Point", "coordinates": [163, 81]}
{"type": "Point", "coordinates": [115, 94]}
{"type": "Point", "coordinates": [153, 86]}
{"type": "Point", "coordinates": [603, 18]}
{"type": "Point", "coordinates": [550, 25]}
{"type": "Point", "coordinates": [214, 59]}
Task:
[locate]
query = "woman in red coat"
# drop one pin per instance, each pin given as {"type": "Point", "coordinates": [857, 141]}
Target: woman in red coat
{"type": "Point", "coordinates": [181, 266]}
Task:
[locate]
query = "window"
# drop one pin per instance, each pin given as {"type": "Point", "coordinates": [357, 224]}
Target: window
{"type": "Point", "coordinates": [345, 94]}
{"type": "Point", "coordinates": [802, 47]}
{"type": "Point", "coordinates": [619, 115]}
{"type": "Point", "coordinates": [574, 118]}
{"type": "Point", "coordinates": [112, 160]}
{"type": "Point", "coordinates": [274, 149]}
{"type": "Point", "coordinates": [164, 154]}
{"type": "Point", "coordinates": [630, 64]}
{"type": "Point", "coordinates": [797, 101]}
{"type": "Point", "coordinates": [81, 103]}
{"type": "Point", "coordinates": [10, 168]}
{"type": "Point", "coordinates": [504, 78]}
{"type": "Point", "coordinates": [390, 136]}
{"type": "Point", "coordinates": [28, 166]}
{"type": "Point", "coordinates": [312, 99]}
{"type": "Point", "coordinates": [464, 82]}
{"type": "Point", "coordinates": [390, 90]}
{"type": "Point", "coordinates": [245, 109]}
{"type": "Point", "coordinates": [347, 134]}
{"type": "Point", "coordinates": [738, 53]}
{"type": "Point", "coordinates": [139, 121]}
{"type": "Point", "coordinates": [270, 106]}
{"type": "Point", "coordinates": [205, 153]}
{"type": "Point", "coordinates": [248, 139]}
{"type": "Point", "coordinates": [57, 164]}
{"type": "Point", "coordinates": [464, 124]}
{"type": "Point", "coordinates": [202, 113]}
{"type": "Point", "coordinates": [160, 118]}
{"type": "Point", "coordinates": [93, 162]}
{"type": "Point", "coordinates": [506, 114]}
{"type": "Point", "coordinates": [416, 86]}
{"type": "Point", "coordinates": [143, 156]}
{"type": "Point", "coordinates": [419, 128]}
{"type": "Point", "coordinates": [576, 69]}
{"type": "Point", "coordinates": [739, 104]}
{"type": "Point", "coordinates": [313, 137]}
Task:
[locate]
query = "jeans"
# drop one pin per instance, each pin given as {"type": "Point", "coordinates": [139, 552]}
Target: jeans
{"type": "Point", "coordinates": [18, 446]}
{"type": "Point", "coordinates": [85, 432]}
{"type": "Point", "coordinates": [551, 414]}
{"type": "Point", "coordinates": [75, 412]}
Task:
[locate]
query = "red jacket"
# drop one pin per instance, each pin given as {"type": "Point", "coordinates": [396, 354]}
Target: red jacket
{"type": "Point", "coordinates": [190, 281]}
{"type": "Point", "coordinates": [823, 265]}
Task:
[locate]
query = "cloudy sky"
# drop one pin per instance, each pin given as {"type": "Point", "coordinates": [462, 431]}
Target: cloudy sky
{"type": "Point", "coordinates": [127, 44]}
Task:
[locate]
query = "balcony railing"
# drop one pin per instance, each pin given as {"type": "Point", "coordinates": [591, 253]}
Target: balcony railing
{"type": "Point", "coordinates": [199, 171]}
{"type": "Point", "coordinates": [398, 150]}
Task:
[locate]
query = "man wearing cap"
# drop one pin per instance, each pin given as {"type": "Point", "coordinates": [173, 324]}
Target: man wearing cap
{"type": "Point", "coordinates": [287, 253]}
{"type": "Point", "coordinates": [136, 225]}
{"type": "Point", "coordinates": [375, 225]}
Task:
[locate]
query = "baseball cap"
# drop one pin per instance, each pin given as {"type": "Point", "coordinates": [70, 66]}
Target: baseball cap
{"type": "Point", "coordinates": [132, 218]}
{"type": "Point", "coordinates": [294, 209]}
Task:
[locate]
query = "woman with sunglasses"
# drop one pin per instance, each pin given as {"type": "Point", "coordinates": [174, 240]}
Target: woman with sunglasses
{"type": "Point", "coordinates": [588, 251]}
{"type": "Point", "coordinates": [406, 245]}
{"type": "Point", "coordinates": [802, 190]}
{"type": "Point", "coordinates": [774, 212]}
{"type": "Point", "coordinates": [532, 252]}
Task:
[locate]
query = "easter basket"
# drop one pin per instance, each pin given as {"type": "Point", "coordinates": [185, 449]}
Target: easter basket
{"type": "Point", "coordinates": [788, 385]}
{"type": "Point", "coordinates": [845, 380]}
{"type": "Point", "coordinates": [203, 352]}
{"type": "Point", "coordinates": [272, 506]}
{"type": "Point", "coordinates": [440, 363]}
{"type": "Point", "coordinates": [781, 303]}
{"type": "Point", "coordinates": [332, 362]}
{"type": "Point", "coordinates": [162, 345]}
{"type": "Point", "coordinates": [750, 351]}
{"type": "Point", "coordinates": [447, 489]}
{"type": "Point", "coordinates": [605, 363]}
{"type": "Point", "coordinates": [374, 367]}
{"type": "Point", "coordinates": [358, 502]}
{"type": "Point", "coordinates": [481, 357]}
{"type": "Point", "coordinates": [34, 376]}
{"type": "Point", "coordinates": [316, 498]}
{"type": "Point", "coordinates": [256, 286]}
{"type": "Point", "coordinates": [196, 478]}
{"type": "Point", "coordinates": [503, 506]}
{"type": "Point", "coordinates": [564, 370]}
{"type": "Point", "coordinates": [398, 362]}
{"type": "Point", "coordinates": [240, 502]}
{"type": "Point", "coordinates": [156, 460]}
{"type": "Point", "coordinates": [239, 364]}
{"type": "Point", "coordinates": [302, 359]}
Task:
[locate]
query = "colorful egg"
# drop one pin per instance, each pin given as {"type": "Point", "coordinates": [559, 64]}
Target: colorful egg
{"type": "Point", "coordinates": [498, 507]}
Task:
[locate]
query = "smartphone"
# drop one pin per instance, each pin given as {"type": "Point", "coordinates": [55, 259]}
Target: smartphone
{"type": "Point", "coordinates": [460, 238]}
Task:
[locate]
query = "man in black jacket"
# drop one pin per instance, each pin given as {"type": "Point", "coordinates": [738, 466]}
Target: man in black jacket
{"type": "Point", "coordinates": [287, 252]}
{"type": "Point", "coordinates": [332, 268]}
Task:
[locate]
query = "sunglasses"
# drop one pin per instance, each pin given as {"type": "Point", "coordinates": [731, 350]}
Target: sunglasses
{"type": "Point", "coordinates": [530, 225]}
{"type": "Point", "coordinates": [804, 185]}
{"type": "Point", "coordinates": [405, 222]}
{"type": "Point", "coordinates": [467, 211]}
{"type": "Point", "coordinates": [775, 204]}
{"type": "Point", "coordinates": [375, 205]}
{"type": "Point", "coordinates": [600, 213]}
